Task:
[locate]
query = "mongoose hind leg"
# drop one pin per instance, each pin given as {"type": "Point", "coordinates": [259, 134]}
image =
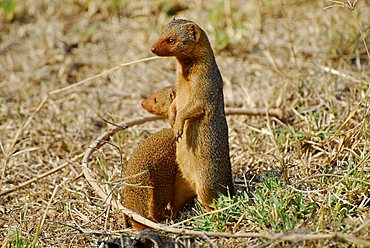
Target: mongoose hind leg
{"type": "Point", "coordinates": [161, 197]}
{"type": "Point", "coordinates": [206, 196]}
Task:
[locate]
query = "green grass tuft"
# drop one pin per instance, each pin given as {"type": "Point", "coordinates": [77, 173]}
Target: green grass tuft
{"type": "Point", "coordinates": [271, 206]}
{"type": "Point", "coordinates": [8, 8]}
{"type": "Point", "coordinates": [14, 238]}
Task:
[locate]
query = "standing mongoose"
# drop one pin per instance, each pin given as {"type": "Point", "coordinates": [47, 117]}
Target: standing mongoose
{"type": "Point", "coordinates": [197, 115]}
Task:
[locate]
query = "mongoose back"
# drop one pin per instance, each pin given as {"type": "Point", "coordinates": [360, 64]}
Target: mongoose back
{"type": "Point", "coordinates": [150, 174]}
{"type": "Point", "coordinates": [197, 113]}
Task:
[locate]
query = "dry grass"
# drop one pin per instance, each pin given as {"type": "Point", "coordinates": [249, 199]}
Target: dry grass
{"type": "Point", "coordinates": [289, 54]}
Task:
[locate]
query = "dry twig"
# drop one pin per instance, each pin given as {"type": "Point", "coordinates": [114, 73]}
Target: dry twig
{"type": "Point", "coordinates": [274, 112]}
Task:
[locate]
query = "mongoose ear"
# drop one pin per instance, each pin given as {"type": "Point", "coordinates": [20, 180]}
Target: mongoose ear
{"type": "Point", "coordinates": [194, 31]}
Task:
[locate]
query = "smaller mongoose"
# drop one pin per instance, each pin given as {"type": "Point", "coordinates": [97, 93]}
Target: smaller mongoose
{"type": "Point", "coordinates": [197, 114]}
{"type": "Point", "coordinates": [159, 101]}
{"type": "Point", "coordinates": [152, 169]}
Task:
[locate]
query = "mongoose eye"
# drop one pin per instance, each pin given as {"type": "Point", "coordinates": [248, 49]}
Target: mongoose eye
{"type": "Point", "coordinates": [170, 41]}
{"type": "Point", "coordinates": [155, 100]}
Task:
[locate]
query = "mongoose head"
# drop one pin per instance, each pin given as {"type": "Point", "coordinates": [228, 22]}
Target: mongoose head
{"type": "Point", "coordinates": [182, 39]}
{"type": "Point", "coordinates": [159, 101]}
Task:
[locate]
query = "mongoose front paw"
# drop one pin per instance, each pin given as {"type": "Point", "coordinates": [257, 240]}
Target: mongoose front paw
{"type": "Point", "coordinates": [178, 134]}
{"type": "Point", "coordinates": [178, 129]}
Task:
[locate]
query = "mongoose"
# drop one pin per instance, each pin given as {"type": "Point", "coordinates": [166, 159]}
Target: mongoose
{"type": "Point", "coordinates": [159, 101]}
{"type": "Point", "coordinates": [154, 163]}
{"type": "Point", "coordinates": [197, 114]}
{"type": "Point", "coordinates": [151, 172]}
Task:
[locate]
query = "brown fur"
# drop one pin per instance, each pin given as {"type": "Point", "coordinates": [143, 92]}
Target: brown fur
{"type": "Point", "coordinates": [197, 113]}
{"type": "Point", "coordinates": [151, 172]}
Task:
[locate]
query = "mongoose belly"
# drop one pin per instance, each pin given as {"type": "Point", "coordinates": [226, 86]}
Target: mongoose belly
{"type": "Point", "coordinates": [203, 160]}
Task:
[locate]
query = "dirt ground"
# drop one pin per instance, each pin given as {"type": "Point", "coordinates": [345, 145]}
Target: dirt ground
{"type": "Point", "coordinates": [294, 55]}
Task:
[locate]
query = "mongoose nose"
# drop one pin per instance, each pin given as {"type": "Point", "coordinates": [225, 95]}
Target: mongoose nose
{"type": "Point", "coordinates": [152, 49]}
